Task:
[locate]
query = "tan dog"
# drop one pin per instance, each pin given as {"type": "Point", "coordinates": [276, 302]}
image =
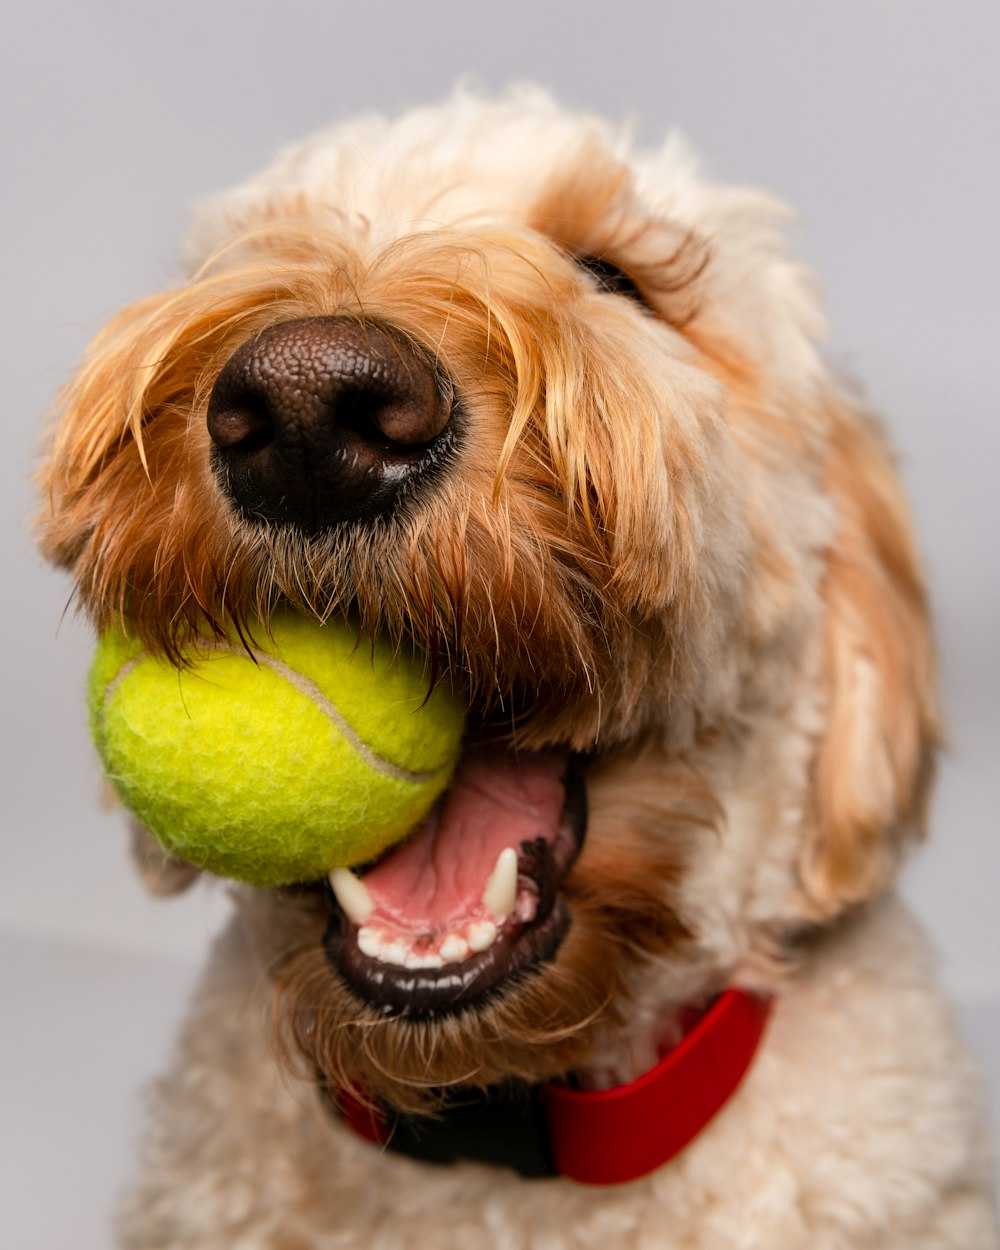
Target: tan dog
{"type": "Point", "coordinates": [558, 414]}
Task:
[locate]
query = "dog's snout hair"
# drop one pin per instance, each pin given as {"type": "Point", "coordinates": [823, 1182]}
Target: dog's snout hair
{"type": "Point", "coordinates": [576, 509]}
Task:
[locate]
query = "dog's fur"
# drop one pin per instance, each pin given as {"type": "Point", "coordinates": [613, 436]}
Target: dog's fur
{"type": "Point", "coordinates": [671, 537]}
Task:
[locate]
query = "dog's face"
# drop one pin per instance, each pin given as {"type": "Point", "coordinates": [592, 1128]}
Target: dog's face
{"type": "Point", "coordinates": [560, 422]}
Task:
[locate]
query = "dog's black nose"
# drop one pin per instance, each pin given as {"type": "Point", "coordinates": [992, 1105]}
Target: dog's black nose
{"type": "Point", "coordinates": [324, 420]}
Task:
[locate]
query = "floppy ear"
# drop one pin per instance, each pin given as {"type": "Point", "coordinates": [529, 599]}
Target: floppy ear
{"type": "Point", "coordinates": [873, 764]}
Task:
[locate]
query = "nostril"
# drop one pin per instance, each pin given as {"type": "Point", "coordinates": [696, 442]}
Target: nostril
{"type": "Point", "coordinates": [396, 420]}
{"type": "Point", "coordinates": [363, 414]}
{"type": "Point", "coordinates": [240, 421]}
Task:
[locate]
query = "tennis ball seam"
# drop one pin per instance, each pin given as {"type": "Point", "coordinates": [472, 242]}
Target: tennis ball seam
{"type": "Point", "coordinates": [306, 687]}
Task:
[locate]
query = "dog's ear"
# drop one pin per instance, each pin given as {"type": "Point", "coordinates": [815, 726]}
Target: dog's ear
{"type": "Point", "coordinates": [872, 767]}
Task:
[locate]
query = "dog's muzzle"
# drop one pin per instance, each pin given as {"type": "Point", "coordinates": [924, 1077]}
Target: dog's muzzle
{"type": "Point", "coordinates": [444, 922]}
{"type": "Point", "coordinates": [326, 420]}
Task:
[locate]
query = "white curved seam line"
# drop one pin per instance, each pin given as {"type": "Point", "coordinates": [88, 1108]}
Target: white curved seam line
{"type": "Point", "coordinates": [119, 677]}
{"type": "Point", "coordinates": [309, 690]}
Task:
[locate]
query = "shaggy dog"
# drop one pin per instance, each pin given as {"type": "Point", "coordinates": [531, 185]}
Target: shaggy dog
{"type": "Point", "coordinates": [556, 415]}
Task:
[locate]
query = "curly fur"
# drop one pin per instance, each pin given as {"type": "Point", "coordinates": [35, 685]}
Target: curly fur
{"type": "Point", "coordinates": [674, 539]}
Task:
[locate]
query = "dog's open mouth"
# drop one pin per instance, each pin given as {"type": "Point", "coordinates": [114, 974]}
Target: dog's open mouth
{"type": "Point", "coordinates": [471, 897]}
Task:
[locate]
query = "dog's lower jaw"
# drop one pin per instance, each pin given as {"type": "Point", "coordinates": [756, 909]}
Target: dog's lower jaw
{"type": "Point", "coordinates": [619, 899]}
{"type": "Point", "coordinates": [535, 1025]}
{"type": "Point", "coordinates": [472, 900]}
{"type": "Point", "coordinates": [416, 992]}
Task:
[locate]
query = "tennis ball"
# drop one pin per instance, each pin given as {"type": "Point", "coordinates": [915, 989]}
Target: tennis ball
{"type": "Point", "coordinates": [315, 750]}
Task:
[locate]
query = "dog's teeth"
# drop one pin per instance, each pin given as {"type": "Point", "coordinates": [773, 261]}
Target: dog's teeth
{"type": "Point", "coordinates": [453, 949]}
{"type": "Point", "coordinates": [352, 895]}
{"type": "Point", "coordinates": [428, 960]}
{"type": "Point", "coordinates": [397, 952]}
{"type": "Point", "coordinates": [501, 889]}
{"type": "Point", "coordinates": [481, 935]}
{"type": "Point", "coordinates": [369, 942]}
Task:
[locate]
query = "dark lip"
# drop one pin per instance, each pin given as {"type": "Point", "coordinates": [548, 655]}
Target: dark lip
{"type": "Point", "coordinates": [519, 950]}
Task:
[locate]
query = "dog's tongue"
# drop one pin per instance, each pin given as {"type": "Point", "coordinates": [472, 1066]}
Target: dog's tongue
{"type": "Point", "coordinates": [496, 800]}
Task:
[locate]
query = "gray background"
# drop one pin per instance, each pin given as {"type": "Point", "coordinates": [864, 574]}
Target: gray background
{"type": "Point", "coordinates": [877, 120]}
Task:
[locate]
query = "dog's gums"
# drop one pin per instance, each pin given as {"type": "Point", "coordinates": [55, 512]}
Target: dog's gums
{"type": "Point", "coordinates": [471, 899]}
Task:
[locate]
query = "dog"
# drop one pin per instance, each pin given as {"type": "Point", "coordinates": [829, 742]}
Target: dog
{"type": "Point", "coordinates": [557, 415]}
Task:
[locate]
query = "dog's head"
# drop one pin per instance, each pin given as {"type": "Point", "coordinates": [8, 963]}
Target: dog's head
{"type": "Point", "coordinates": [558, 416]}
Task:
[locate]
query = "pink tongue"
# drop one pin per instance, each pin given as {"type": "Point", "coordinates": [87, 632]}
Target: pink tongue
{"type": "Point", "coordinates": [496, 799]}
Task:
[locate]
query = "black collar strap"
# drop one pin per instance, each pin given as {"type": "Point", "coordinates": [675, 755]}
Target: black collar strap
{"type": "Point", "coordinates": [596, 1137]}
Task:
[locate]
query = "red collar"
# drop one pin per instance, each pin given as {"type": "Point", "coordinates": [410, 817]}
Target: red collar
{"type": "Point", "coordinates": [608, 1136]}
{"type": "Point", "coordinates": [599, 1137]}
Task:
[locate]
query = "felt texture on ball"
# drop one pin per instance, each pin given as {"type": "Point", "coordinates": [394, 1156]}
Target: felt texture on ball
{"type": "Point", "coordinates": [317, 750]}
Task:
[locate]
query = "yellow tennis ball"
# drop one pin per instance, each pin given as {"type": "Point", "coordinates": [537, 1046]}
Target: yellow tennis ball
{"type": "Point", "coordinates": [316, 750]}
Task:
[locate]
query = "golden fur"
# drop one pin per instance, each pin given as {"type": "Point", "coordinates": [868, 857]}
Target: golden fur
{"type": "Point", "coordinates": [674, 539]}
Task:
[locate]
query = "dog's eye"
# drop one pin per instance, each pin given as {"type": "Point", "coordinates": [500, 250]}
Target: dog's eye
{"type": "Point", "coordinates": [613, 280]}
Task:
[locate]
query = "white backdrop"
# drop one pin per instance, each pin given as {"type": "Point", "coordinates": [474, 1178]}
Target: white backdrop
{"type": "Point", "coordinates": [876, 119]}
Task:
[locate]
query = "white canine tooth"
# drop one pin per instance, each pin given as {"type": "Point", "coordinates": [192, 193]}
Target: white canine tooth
{"type": "Point", "coordinates": [453, 949]}
{"type": "Point", "coordinates": [501, 889]}
{"type": "Point", "coordinates": [369, 943]}
{"type": "Point", "coordinates": [481, 934]}
{"type": "Point", "coordinates": [352, 895]}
